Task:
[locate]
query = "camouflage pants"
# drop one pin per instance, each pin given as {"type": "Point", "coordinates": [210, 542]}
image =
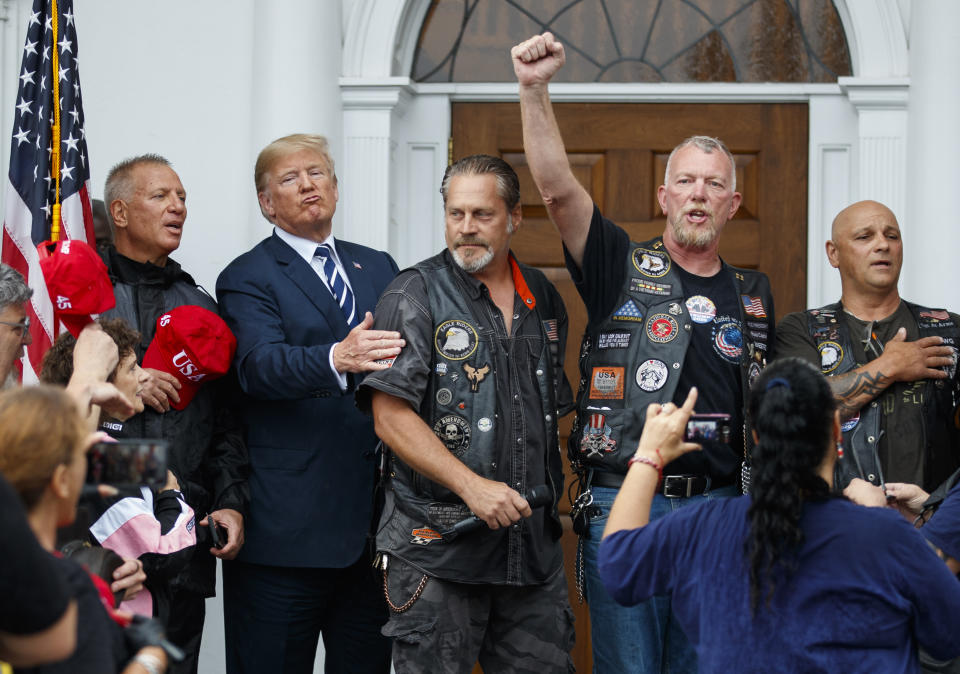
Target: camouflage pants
{"type": "Point", "coordinates": [453, 625]}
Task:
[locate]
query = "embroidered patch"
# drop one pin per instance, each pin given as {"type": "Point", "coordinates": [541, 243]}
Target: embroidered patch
{"type": "Point", "coordinates": [752, 373]}
{"type": "Point", "coordinates": [441, 369]}
{"type": "Point", "coordinates": [596, 438]}
{"type": "Point", "coordinates": [831, 354]}
{"type": "Point", "coordinates": [484, 424]}
{"type": "Point", "coordinates": [662, 328]}
{"type": "Point", "coordinates": [652, 263]}
{"type": "Point", "coordinates": [638, 285]}
{"type": "Point", "coordinates": [550, 328]}
{"type": "Point", "coordinates": [476, 375]}
{"type": "Point", "coordinates": [850, 423]}
{"type": "Point", "coordinates": [444, 396]}
{"type": "Point", "coordinates": [753, 306]}
{"type": "Point", "coordinates": [455, 340]}
{"type": "Point", "coordinates": [728, 340]}
{"type": "Point", "coordinates": [425, 536]}
{"type": "Point", "coordinates": [455, 433]}
{"type": "Point", "coordinates": [652, 375]}
{"type": "Point", "coordinates": [386, 361]}
{"type": "Point", "coordinates": [606, 383]}
{"type": "Point", "coordinates": [628, 312]}
{"type": "Point", "coordinates": [613, 340]}
{"type": "Point", "coordinates": [702, 309]}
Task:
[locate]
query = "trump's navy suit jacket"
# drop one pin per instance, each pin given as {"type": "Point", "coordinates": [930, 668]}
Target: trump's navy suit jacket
{"type": "Point", "coordinates": [311, 450]}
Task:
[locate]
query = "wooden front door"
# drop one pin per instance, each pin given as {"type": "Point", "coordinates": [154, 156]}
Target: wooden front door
{"type": "Point", "coordinates": [619, 152]}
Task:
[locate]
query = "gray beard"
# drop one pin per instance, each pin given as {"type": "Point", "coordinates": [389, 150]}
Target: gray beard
{"type": "Point", "coordinates": [11, 381]}
{"type": "Point", "coordinates": [700, 237]}
{"type": "Point", "coordinates": [476, 264]}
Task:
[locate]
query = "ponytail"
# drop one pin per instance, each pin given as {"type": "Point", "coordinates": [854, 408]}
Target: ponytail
{"type": "Point", "coordinates": [792, 407]}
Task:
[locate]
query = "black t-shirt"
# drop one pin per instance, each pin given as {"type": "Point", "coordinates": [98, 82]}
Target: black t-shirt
{"type": "Point", "coordinates": [712, 364]}
{"type": "Point", "coordinates": [33, 589]}
{"type": "Point", "coordinates": [100, 645]}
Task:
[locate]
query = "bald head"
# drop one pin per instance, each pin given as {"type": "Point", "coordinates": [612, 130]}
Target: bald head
{"type": "Point", "coordinates": [861, 213]}
{"type": "Point", "coordinates": [865, 246]}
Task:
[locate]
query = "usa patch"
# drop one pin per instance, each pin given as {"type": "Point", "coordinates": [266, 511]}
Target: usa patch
{"type": "Point", "coordinates": [550, 327]}
{"type": "Point", "coordinates": [628, 312]}
{"type": "Point", "coordinates": [728, 340]}
{"type": "Point", "coordinates": [606, 383]}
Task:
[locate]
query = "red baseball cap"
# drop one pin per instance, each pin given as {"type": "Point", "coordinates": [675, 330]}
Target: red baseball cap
{"type": "Point", "coordinates": [77, 281]}
{"type": "Point", "coordinates": [194, 345]}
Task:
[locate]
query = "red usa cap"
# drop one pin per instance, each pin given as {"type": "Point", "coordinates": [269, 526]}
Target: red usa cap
{"type": "Point", "coordinates": [77, 281]}
{"type": "Point", "coordinates": [194, 345]}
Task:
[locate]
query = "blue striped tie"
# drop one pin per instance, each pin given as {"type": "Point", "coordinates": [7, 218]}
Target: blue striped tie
{"type": "Point", "coordinates": [341, 291]}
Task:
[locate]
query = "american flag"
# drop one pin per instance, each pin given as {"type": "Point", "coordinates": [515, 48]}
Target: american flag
{"type": "Point", "coordinates": [30, 188]}
{"type": "Point", "coordinates": [753, 306]}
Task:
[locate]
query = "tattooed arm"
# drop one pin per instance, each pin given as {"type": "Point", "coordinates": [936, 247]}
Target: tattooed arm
{"type": "Point", "coordinates": [900, 361]}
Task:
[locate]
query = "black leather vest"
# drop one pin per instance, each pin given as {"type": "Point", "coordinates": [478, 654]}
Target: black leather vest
{"type": "Point", "coordinates": [861, 433]}
{"type": "Point", "coordinates": [635, 355]}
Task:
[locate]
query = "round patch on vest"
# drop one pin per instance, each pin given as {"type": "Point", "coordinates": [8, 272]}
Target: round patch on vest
{"type": "Point", "coordinates": [831, 354]}
{"type": "Point", "coordinates": [652, 375]}
{"type": "Point", "coordinates": [702, 309]}
{"type": "Point", "coordinates": [444, 396]}
{"type": "Point", "coordinates": [850, 423]}
{"type": "Point", "coordinates": [484, 424]}
{"type": "Point", "coordinates": [728, 341]}
{"type": "Point", "coordinates": [662, 328]}
{"type": "Point", "coordinates": [454, 431]}
{"type": "Point", "coordinates": [652, 263]}
{"type": "Point", "coordinates": [455, 340]}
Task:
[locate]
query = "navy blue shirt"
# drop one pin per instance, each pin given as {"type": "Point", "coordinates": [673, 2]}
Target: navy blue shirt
{"type": "Point", "coordinates": [943, 529]}
{"type": "Point", "coordinates": [866, 590]}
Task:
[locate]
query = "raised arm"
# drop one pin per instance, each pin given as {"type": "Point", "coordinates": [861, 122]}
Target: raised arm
{"type": "Point", "coordinates": [535, 61]}
{"type": "Point", "coordinates": [409, 437]}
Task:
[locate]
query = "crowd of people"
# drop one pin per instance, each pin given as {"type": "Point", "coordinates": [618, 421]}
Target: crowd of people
{"type": "Point", "coordinates": [374, 453]}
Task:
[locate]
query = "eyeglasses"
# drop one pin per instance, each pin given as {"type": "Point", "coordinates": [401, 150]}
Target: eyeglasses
{"type": "Point", "coordinates": [23, 327]}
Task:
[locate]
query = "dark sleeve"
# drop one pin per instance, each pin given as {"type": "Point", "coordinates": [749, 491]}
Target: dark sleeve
{"type": "Point", "coordinates": [601, 279]}
{"type": "Point", "coordinates": [32, 586]}
{"type": "Point", "coordinates": [793, 339]}
{"type": "Point", "coordinates": [227, 463]}
{"type": "Point", "coordinates": [943, 529]}
{"type": "Point", "coordinates": [565, 401]}
{"type": "Point", "coordinates": [403, 307]}
{"type": "Point", "coordinates": [636, 564]}
{"type": "Point", "coordinates": [267, 366]}
{"type": "Point", "coordinates": [932, 590]}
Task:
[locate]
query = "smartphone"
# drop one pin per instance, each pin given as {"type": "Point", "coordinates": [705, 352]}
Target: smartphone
{"type": "Point", "coordinates": [709, 428]}
{"type": "Point", "coordinates": [128, 462]}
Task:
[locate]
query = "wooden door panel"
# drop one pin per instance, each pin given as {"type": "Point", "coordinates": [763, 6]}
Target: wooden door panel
{"type": "Point", "coordinates": [619, 153]}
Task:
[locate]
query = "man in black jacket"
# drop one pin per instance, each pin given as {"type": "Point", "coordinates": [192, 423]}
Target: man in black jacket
{"type": "Point", "coordinates": [146, 204]}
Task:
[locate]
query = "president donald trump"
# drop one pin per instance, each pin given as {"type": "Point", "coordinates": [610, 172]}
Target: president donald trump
{"type": "Point", "coordinates": [299, 304]}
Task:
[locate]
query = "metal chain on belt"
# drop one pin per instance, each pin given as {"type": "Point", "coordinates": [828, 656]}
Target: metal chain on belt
{"type": "Point", "coordinates": [410, 602]}
{"type": "Point", "coordinates": [580, 570]}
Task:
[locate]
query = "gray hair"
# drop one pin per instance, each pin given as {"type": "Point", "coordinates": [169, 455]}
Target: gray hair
{"type": "Point", "coordinates": [13, 289]}
{"type": "Point", "coordinates": [708, 145]}
{"type": "Point", "coordinates": [119, 183]}
{"type": "Point", "coordinates": [508, 184]}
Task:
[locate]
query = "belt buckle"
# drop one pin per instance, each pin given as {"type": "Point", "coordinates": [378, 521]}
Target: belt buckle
{"type": "Point", "coordinates": [676, 486]}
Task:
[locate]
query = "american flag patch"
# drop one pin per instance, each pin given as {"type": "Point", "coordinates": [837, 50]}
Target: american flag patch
{"type": "Point", "coordinates": [939, 315]}
{"type": "Point", "coordinates": [753, 306]}
{"type": "Point", "coordinates": [550, 326]}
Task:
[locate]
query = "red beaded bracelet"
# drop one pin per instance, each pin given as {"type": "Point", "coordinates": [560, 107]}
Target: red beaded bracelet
{"type": "Point", "coordinates": [648, 461]}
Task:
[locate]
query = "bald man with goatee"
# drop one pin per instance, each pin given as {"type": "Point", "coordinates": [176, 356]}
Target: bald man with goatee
{"type": "Point", "coordinates": [891, 363]}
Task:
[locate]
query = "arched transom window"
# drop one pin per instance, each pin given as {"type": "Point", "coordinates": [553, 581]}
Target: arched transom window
{"type": "Point", "coordinates": [638, 40]}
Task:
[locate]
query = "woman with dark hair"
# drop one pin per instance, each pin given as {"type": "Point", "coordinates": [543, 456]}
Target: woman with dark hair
{"type": "Point", "coordinates": [790, 578]}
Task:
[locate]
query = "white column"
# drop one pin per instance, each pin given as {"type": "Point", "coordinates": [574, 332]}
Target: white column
{"type": "Point", "coordinates": [366, 198]}
{"type": "Point", "coordinates": [931, 234]}
{"type": "Point", "coordinates": [881, 106]}
{"type": "Point", "coordinates": [295, 71]}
